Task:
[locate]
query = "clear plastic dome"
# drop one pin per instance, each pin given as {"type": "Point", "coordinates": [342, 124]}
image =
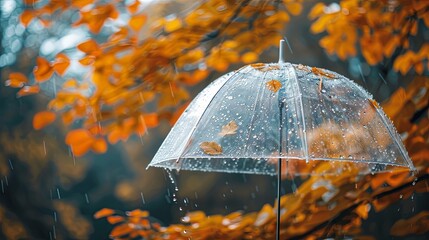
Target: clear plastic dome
{"type": "Point", "coordinates": [247, 120]}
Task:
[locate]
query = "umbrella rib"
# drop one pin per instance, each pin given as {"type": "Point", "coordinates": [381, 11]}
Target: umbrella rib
{"type": "Point", "coordinates": [292, 75]}
{"type": "Point", "coordinates": [205, 110]}
{"type": "Point", "coordinates": [252, 121]}
{"type": "Point", "coordinates": [395, 136]}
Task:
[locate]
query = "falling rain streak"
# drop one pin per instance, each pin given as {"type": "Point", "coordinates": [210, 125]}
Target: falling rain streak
{"type": "Point", "coordinates": [54, 232]}
{"type": "Point", "coordinates": [44, 147]}
{"type": "Point", "coordinates": [288, 45]}
{"type": "Point", "coordinates": [10, 164]}
{"type": "Point", "coordinates": [362, 76]}
{"type": "Point", "coordinates": [382, 78]}
{"type": "Point", "coordinates": [86, 198]}
{"type": "Point", "coordinates": [143, 201]}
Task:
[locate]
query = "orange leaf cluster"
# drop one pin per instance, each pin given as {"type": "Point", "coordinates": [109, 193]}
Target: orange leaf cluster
{"type": "Point", "coordinates": [128, 72]}
{"type": "Point", "coordinates": [134, 224]}
{"type": "Point", "coordinates": [379, 28]}
{"type": "Point", "coordinates": [44, 69]}
{"type": "Point", "coordinates": [82, 140]}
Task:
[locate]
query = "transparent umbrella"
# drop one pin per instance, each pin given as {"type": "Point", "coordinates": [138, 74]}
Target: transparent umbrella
{"type": "Point", "coordinates": [261, 116]}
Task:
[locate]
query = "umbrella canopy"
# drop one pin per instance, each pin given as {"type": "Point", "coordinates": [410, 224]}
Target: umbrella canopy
{"type": "Point", "coordinates": [247, 120]}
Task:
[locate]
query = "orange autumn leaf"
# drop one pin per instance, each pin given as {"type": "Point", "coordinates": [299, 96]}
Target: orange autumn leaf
{"type": "Point", "coordinates": [96, 17]}
{"type": "Point", "coordinates": [43, 70]}
{"type": "Point", "coordinates": [362, 210]}
{"type": "Point", "coordinates": [80, 141]}
{"type": "Point", "coordinates": [171, 25]}
{"type": "Point", "coordinates": [99, 145]}
{"type": "Point", "coordinates": [137, 22]}
{"type": "Point", "coordinates": [61, 63]}
{"type": "Point", "coordinates": [28, 90]}
{"type": "Point", "coordinates": [273, 85]}
{"type": "Point", "coordinates": [16, 80]}
{"type": "Point", "coordinates": [120, 230]}
{"type": "Point", "coordinates": [42, 119]}
{"type": "Point", "coordinates": [137, 213]}
{"type": "Point", "coordinates": [81, 3]}
{"type": "Point", "coordinates": [151, 119]}
{"type": "Point", "coordinates": [87, 60]}
{"type": "Point", "coordinates": [249, 57]}
{"type": "Point", "coordinates": [295, 8]}
{"type": "Point", "coordinates": [211, 148]}
{"type": "Point", "coordinates": [115, 219]}
{"type": "Point", "coordinates": [132, 8]}
{"type": "Point", "coordinates": [26, 17]}
{"type": "Point", "coordinates": [397, 178]}
{"type": "Point", "coordinates": [320, 72]}
{"type": "Point", "coordinates": [89, 47]}
{"type": "Point", "coordinates": [229, 129]}
{"type": "Point", "coordinates": [104, 213]}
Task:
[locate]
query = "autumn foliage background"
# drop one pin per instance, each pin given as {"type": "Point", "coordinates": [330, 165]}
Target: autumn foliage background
{"type": "Point", "coordinates": [105, 80]}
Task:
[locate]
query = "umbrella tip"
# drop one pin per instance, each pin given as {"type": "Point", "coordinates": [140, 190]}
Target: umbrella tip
{"type": "Point", "coordinates": [282, 47]}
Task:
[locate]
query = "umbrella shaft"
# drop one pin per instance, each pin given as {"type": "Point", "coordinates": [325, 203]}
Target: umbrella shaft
{"type": "Point", "coordinates": [279, 171]}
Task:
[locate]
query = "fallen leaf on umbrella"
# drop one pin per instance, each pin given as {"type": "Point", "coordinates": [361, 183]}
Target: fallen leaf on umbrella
{"type": "Point", "coordinates": [229, 129]}
{"type": "Point", "coordinates": [211, 148]}
{"type": "Point", "coordinates": [320, 72]}
{"type": "Point", "coordinates": [274, 85]}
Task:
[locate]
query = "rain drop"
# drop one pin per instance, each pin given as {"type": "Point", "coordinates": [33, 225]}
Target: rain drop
{"type": "Point", "coordinates": [10, 164]}
{"type": "Point", "coordinates": [86, 198]}
{"type": "Point", "coordinates": [143, 201]}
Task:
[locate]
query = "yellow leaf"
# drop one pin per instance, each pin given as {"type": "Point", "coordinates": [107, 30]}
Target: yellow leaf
{"type": "Point", "coordinates": [293, 7]}
{"type": "Point", "coordinates": [362, 210]}
{"type": "Point", "coordinates": [137, 22]}
{"type": "Point", "coordinates": [249, 57]}
{"type": "Point", "coordinates": [211, 148]}
{"type": "Point", "coordinates": [172, 25]}
{"type": "Point", "coordinates": [317, 10]}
